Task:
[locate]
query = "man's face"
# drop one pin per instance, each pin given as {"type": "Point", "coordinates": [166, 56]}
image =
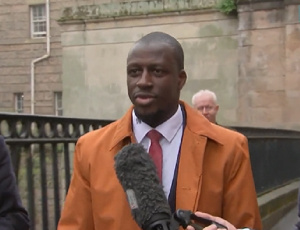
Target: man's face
{"type": "Point", "coordinates": [154, 82]}
{"type": "Point", "coordinates": [206, 105]}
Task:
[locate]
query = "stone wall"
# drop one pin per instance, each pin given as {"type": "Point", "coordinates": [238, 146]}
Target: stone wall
{"type": "Point", "coordinates": [269, 64]}
{"type": "Point", "coordinates": [251, 60]}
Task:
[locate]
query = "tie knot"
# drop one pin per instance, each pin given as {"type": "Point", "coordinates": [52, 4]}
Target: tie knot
{"type": "Point", "coordinates": [154, 135]}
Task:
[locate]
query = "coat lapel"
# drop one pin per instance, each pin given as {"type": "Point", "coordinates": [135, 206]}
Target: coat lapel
{"type": "Point", "coordinates": [189, 178]}
{"type": "Point", "coordinates": [123, 134]}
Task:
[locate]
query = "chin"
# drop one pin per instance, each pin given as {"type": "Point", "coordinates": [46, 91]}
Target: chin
{"type": "Point", "coordinates": [143, 114]}
{"type": "Point", "coordinates": [150, 117]}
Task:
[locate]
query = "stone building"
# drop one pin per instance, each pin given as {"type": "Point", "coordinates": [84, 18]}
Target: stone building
{"type": "Point", "coordinates": [30, 76]}
{"type": "Point", "coordinates": [251, 59]}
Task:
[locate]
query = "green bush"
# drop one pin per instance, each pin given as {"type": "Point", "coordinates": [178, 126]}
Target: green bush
{"type": "Point", "coordinates": [227, 6]}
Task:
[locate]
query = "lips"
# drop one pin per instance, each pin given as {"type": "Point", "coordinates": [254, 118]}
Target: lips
{"type": "Point", "coordinates": [144, 99]}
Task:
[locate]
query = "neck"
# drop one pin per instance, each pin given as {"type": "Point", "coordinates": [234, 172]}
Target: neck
{"type": "Point", "coordinates": [157, 118]}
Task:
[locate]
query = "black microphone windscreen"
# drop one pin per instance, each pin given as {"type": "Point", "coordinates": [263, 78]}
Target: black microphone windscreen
{"type": "Point", "coordinates": [138, 177]}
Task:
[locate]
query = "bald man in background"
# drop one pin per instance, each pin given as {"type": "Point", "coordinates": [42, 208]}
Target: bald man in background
{"type": "Point", "coordinates": [205, 101]}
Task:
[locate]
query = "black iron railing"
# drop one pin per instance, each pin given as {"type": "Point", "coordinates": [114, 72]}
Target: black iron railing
{"type": "Point", "coordinates": [275, 156]}
{"type": "Point", "coordinates": [42, 147]}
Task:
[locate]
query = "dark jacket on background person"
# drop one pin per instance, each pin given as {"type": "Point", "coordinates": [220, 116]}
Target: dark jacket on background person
{"type": "Point", "coordinates": [298, 224]}
{"type": "Point", "coordinates": [13, 216]}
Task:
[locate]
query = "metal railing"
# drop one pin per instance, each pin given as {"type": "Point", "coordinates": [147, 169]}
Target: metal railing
{"type": "Point", "coordinates": [41, 150]}
{"type": "Point", "coordinates": [42, 147]}
{"type": "Point", "coordinates": [275, 156]}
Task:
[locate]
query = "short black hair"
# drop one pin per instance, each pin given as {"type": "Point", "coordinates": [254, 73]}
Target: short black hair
{"type": "Point", "coordinates": [162, 37]}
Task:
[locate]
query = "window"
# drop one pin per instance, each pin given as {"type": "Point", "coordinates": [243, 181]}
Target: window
{"type": "Point", "coordinates": [38, 21]}
{"type": "Point", "coordinates": [58, 104]}
{"type": "Point", "coordinates": [19, 102]}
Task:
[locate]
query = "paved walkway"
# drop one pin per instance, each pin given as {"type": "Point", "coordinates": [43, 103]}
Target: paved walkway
{"type": "Point", "coordinates": [288, 221]}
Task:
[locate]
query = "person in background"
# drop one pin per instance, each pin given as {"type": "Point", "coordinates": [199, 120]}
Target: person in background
{"type": "Point", "coordinates": [13, 215]}
{"type": "Point", "coordinates": [204, 167]}
{"type": "Point", "coordinates": [205, 101]}
{"type": "Point", "coordinates": [298, 224]}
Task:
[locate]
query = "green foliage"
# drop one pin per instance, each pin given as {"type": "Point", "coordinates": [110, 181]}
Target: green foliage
{"type": "Point", "coordinates": [227, 6]}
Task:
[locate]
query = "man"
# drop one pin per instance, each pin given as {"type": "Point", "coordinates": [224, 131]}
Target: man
{"type": "Point", "coordinates": [205, 101]}
{"type": "Point", "coordinates": [205, 167]}
{"type": "Point", "coordinates": [13, 216]}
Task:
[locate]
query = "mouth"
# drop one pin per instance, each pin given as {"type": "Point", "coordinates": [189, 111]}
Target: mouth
{"type": "Point", "coordinates": [144, 99]}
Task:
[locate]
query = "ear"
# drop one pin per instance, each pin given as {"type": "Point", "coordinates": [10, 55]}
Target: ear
{"type": "Point", "coordinates": [217, 108]}
{"type": "Point", "coordinates": [181, 79]}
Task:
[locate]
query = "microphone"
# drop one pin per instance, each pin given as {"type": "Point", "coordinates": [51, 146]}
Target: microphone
{"type": "Point", "coordinates": [138, 177]}
{"type": "Point", "coordinates": [148, 203]}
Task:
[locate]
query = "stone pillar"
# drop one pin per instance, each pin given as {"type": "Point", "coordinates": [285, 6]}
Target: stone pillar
{"type": "Point", "coordinates": [269, 66]}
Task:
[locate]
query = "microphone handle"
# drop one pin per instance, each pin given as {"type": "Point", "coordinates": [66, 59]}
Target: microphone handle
{"type": "Point", "coordinates": [159, 221]}
{"type": "Point", "coordinates": [160, 225]}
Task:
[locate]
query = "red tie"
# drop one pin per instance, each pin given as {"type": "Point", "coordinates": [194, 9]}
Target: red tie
{"type": "Point", "coordinates": [155, 150]}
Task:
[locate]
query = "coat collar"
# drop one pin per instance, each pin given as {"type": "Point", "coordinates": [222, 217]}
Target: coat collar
{"type": "Point", "coordinates": [123, 129]}
{"type": "Point", "coordinates": [195, 122]}
{"type": "Point", "coordinates": [199, 125]}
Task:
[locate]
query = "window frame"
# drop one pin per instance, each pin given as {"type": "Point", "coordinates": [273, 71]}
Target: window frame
{"type": "Point", "coordinates": [58, 104]}
{"type": "Point", "coordinates": [19, 102]}
{"type": "Point", "coordinates": [34, 21]}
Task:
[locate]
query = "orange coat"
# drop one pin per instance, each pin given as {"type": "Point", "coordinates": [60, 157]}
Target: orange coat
{"type": "Point", "coordinates": [214, 177]}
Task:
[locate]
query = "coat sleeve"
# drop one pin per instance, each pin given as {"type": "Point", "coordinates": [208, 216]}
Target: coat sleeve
{"type": "Point", "coordinates": [13, 216]}
{"type": "Point", "coordinates": [77, 211]}
{"type": "Point", "coordinates": [240, 200]}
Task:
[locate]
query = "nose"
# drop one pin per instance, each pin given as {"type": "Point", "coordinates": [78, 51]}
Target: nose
{"type": "Point", "coordinates": [205, 111]}
{"type": "Point", "coordinates": [145, 79]}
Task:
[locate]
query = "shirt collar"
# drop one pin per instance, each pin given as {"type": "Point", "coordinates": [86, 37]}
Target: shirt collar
{"type": "Point", "coordinates": [168, 129]}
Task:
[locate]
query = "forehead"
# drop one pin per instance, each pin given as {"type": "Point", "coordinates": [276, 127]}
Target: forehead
{"type": "Point", "coordinates": [204, 99]}
{"type": "Point", "coordinates": [151, 51]}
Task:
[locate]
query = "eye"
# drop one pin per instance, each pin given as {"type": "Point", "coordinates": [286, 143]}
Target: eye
{"type": "Point", "coordinates": [133, 72]}
{"type": "Point", "coordinates": [158, 72]}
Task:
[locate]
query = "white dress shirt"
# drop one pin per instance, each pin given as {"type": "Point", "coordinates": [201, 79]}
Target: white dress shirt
{"type": "Point", "coordinates": [171, 131]}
